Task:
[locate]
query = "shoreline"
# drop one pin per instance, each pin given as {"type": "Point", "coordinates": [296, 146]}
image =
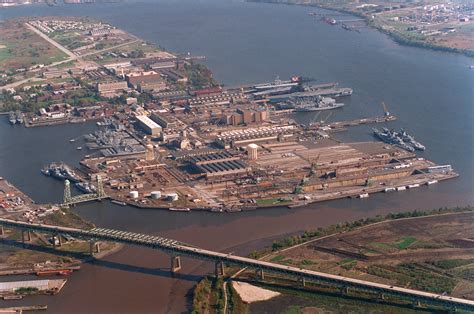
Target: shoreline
{"type": "Point", "coordinates": [394, 36]}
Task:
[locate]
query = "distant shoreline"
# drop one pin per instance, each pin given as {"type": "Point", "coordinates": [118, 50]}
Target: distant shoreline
{"type": "Point", "coordinates": [394, 36]}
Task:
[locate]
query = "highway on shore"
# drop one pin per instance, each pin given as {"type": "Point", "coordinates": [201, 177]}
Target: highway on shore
{"type": "Point", "coordinates": [176, 248]}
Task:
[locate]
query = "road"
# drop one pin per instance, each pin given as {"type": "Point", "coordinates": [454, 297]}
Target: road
{"type": "Point", "coordinates": [71, 55]}
{"type": "Point", "coordinates": [177, 248]}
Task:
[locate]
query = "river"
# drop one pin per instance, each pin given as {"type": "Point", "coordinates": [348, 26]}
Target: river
{"type": "Point", "coordinates": [430, 92]}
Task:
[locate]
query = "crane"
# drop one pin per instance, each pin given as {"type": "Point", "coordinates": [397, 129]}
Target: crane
{"type": "Point", "coordinates": [385, 109]}
{"type": "Point", "coordinates": [313, 121]}
{"type": "Point", "coordinates": [326, 119]}
{"type": "Point", "coordinates": [314, 165]}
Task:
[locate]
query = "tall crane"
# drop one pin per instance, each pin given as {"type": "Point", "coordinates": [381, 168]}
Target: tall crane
{"type": "Point", "coordinates": [385, 109]}
{"type": "Point", "coordinates": [326, 119]}
{"type": "Point", "coordinates": [314, 165]}
{"type": "Point", "coordinates": [315, 118]}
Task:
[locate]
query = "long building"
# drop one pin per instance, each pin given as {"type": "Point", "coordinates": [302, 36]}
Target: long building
{"type": "Point", "coordinates": [148, 125]}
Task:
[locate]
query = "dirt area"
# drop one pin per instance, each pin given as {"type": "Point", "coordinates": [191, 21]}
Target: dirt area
{"type": "Point", "coordinates": [21, 48]}
{"type": "Point", "coordinates": [434, 253]}
{"type": "Point", "coordinates": [249, 293]}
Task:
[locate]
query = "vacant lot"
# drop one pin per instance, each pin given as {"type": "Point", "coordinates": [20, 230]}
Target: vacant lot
{"type": "Point", "coordinates": [21, 48]}
{"type": "Point", "coordinates": [430, 253]}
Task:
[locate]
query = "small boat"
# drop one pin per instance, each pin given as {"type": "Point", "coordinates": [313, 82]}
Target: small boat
{"type": "Point", "coordinates": [119, 202]}
{"type": "Point", "coordinates": [186, 209]}
{"type": "Point", "coordinates": [363, 195]}
{"type": "Point", "coordinates": [79, 148]}
{"type": "Point", "coordinates": [72, 140]}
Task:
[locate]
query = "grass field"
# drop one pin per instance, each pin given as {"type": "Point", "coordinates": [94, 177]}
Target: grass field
{"type": "Point", "coordinates": [22, 48]}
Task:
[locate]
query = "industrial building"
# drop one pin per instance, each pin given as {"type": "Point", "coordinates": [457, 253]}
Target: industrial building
{"type": "Point", "coordinates": [244, 116]}
{"type": "Point", "coordinates": [111, 89]}
{"type": "Point", "coordinates": [218, 164]}
{"type": "Point", "coordinates": [148, 125]}
{"type": "Point", "coordinates": [163, 121]}
{"type": "Point", "coordinates": [146, 80]}
{"type": "Point", "coordinates": [244, 137]}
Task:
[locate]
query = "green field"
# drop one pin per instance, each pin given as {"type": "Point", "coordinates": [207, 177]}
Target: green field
{"type": "Point", "coordinates": [22, 48]}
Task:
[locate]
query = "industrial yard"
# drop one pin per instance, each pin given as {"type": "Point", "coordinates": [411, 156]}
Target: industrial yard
{"type": "Point", "coordinates": [170, 137]}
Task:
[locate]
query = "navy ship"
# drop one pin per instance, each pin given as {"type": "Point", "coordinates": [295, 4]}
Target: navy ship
{"type": "Point", "coordinates": [86, 187]}
{"type": "Point", "coordinates": [407, 138]}
{"type": "Point", "coordinates": [316, 104]}
{"type": "Point", "coordinates": [392, 138]}
{"type": "Point", "coordinates": [60, 171]}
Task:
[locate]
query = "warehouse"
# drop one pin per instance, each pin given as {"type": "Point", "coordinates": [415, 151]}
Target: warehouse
{"type": "Point", "coordinates": [148, 125]}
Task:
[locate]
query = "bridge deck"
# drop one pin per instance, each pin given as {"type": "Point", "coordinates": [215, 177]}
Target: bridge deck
{"type": "Point", "coordinates": [179, 248]}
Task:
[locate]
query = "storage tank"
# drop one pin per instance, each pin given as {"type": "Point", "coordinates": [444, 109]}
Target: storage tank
{"type": "Point", "coordinates": [172, 196]}
{"type": "Point", "coordinates": [133, 194]}
{"type": "Point", "coordinates": [155, 195]}
{"type": "Point", "coordinates": [252, 151]}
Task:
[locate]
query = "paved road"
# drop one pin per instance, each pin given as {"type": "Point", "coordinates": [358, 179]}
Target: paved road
{"type": "Point", "coordinates": [71, 55]}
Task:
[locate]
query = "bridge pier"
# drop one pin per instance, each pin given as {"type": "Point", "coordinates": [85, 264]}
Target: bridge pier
{"type": "Point", "coordinates": [175, 264]}
{"type": "Point", "coordinates": [302, 281]}
{"type": "Point", "coordinates": [94, 247]}
{"type": "Point", "coordinates": [220, 269]}
{"type": "Point", "coordinates": [381, 296]}
{"type": "Point", "coordinates": [2, 232]}
{"type": "Point", "coordinates": [261, 274]}
{"type": "Point", "coordinates": [26, 238]}
{"type": "Point", "coordinates": [416, 303]}
{"type": "Point", "coordinates": [345, 290]}
{"type": "Point", "coordinates": [55, 237]}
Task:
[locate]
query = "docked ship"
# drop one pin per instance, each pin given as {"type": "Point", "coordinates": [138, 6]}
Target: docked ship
{"type": "Point", "coordinates": [391, 137]}
{"type": "Point", "coordinates": [12, 117]}
{"type": "Point", "coordinates": [86, 187]}
{"type": "Point", "coordinates": [407, 138]}
{"type": "Point", "coordinates": [318, 104]}
{"type": "Point", "coordinates": [60, 171]}
{"type": "Point", "coordinates": [279, 84]}
{"type": "Point", "coordinates": [19, 117]}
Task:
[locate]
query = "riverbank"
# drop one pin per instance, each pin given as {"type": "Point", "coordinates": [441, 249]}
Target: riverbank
{"type": "Point", "coordinates": [392, 32]}
{"type": "Point", "coordinates": [40, 255]}
{"type": "Point", "coordinates": [294, 251]}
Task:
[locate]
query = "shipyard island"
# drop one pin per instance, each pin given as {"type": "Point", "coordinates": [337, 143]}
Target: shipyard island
{"type": "Point", "coordinates": [168, 136]}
